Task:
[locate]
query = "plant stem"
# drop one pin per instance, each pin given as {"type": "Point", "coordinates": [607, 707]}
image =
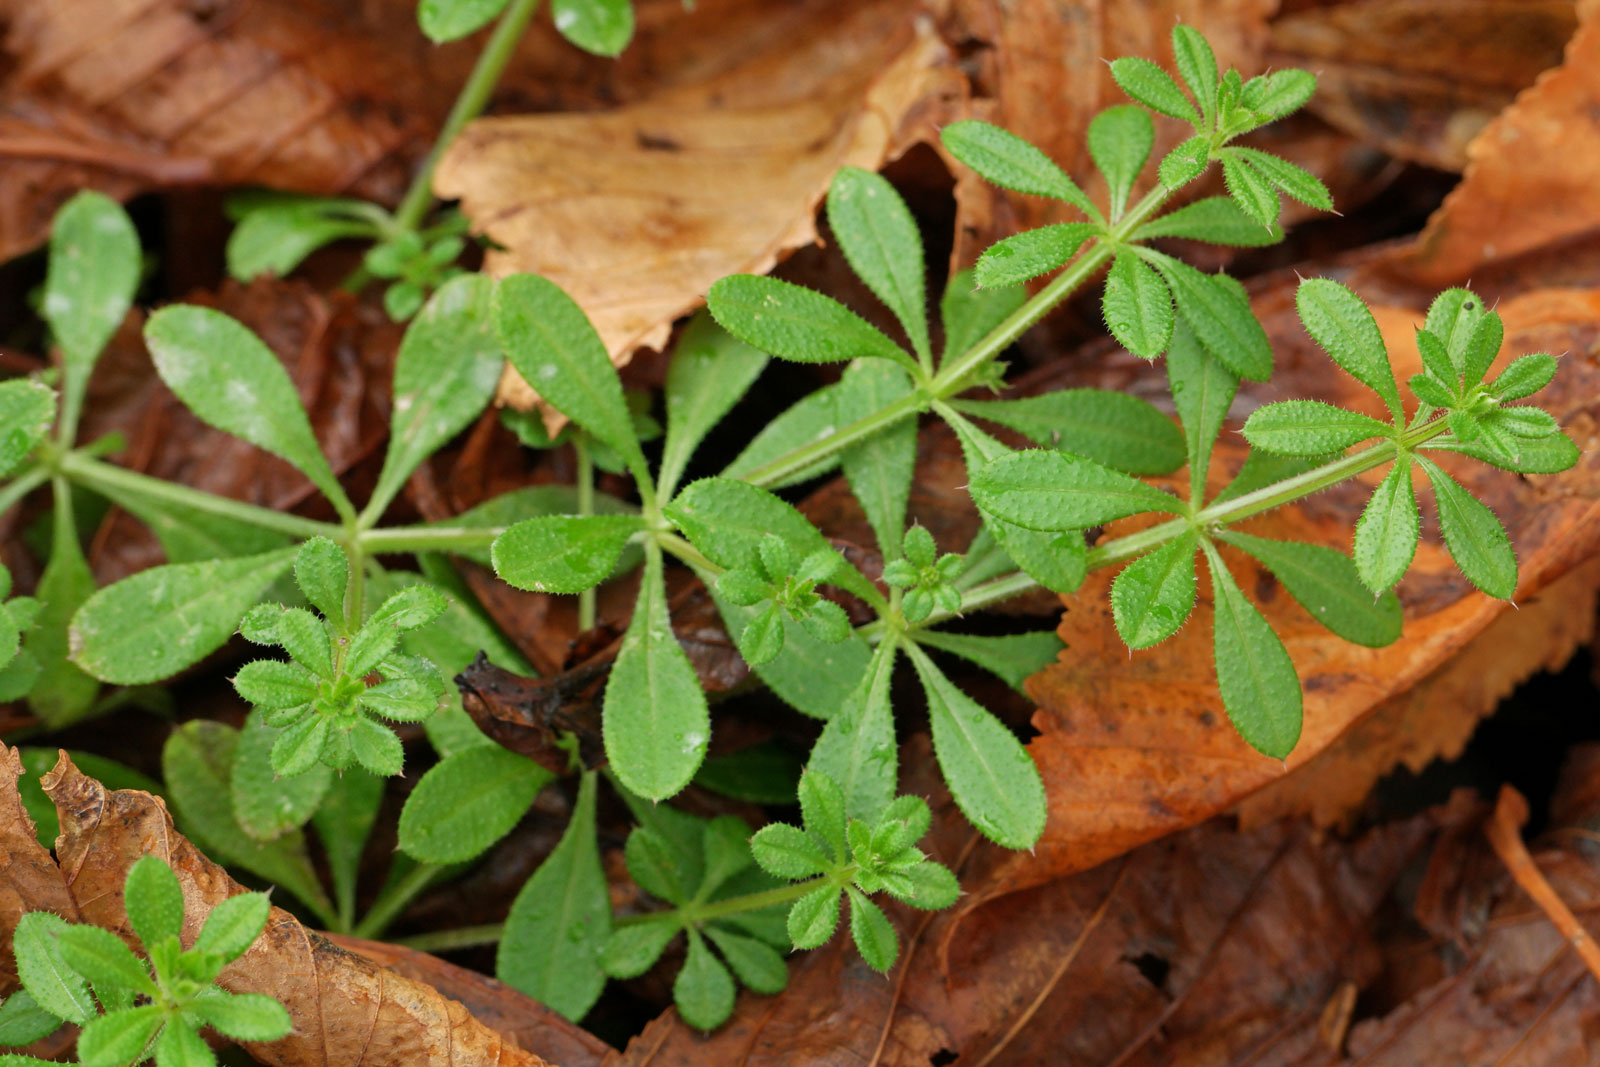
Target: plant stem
{"type": "Point", "coordinates": [462, 937]}
{"type": "Point", "coordinates": [401, 539]}
{"type": "Point", "coordinates": [113, 481]}
{"type": "Point", "coordinates": [20, 486]}
{"type": "Point", "coordinates": [387, 908]}
{"type": "Point", "coordinates": [718, 909]}
{"type": "Point", "coordinates": [585, 477]}
{"type": "Point", "coordinates": [471, 101]}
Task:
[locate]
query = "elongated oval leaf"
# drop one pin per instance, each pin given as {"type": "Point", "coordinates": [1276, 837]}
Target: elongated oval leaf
{"type": "Point", "coordinates": [225, 375]}
{"type": "Point", "coordinates": [27, 408]}
{"type": "Point", "coordinates": [447, 20]}
{"type": "Point", "coordinates": [812, 676]}
{"type": "Point", "coordinates": [1029, 254]}
{"type": "Point", "coordinates": [1056, 491]}
{"type": "Point", "coordinates": [89, 286]}
{"type": "Point", "coordinates": [1120, 139]}
{"type": "Point", "coordinates": [561, 919]}
{"type": "Point", "coordinates": [552, 344]}
{"type": "Point", "coordinates": [1309, 428]}
{"type": "Point", "coordinates": [991, 776]}
{"type": "Point", "coordinates": [1388, 530]}
{"type": "Point", "coordinates": [266, 804]}
{"type": "Point", "coordinates": [1137, 306]}
{"type": "Point", "coordinates": [1215, 219]}
{"type": "Point", "coordinates": [1339, 322]}
{"type": "Point", "coordinates": [970, 313]}
{"type": "Point", "coordinates": [1202, 390]}
{"type": "Point", "coordinates": [1477, 541]}
{"type": "Point", "coordinates": [793, 322]}
{"type": "Point", "coordinates": [1253, 193]}
{"type": "Point", "coordinates": [467, 802]}
{"type": "Point", "coordinates": [1153, 596]}
{"type": "Point", "coordinates": [150, 626]}
{"type": "Point", "coordinates": [1543, 455]}
{"type": "Point", "coordinates": [703, 990]}
{"type": "Point", "coordinates": [1197, 66]}
{"type": "Point", "coordinates": [1121, 431]}
{"type": "Point", "coordinates": [1153, 87]}
{"type": "Point", "coordinates": [879, 469]}
{"type": "Point", "coordinates": [711, 371]}
{"type": "Point", "coordinates": [1452, 318]}
{"type": "Point", "coordinates": [54, 985]}
{"type": "Point", "coordinates": [602, 27]}
{"type": "Point", "coordinates": [1007, 160]}
{"type": "Point", "coordinates": [1218, 311]}
{"type": "Point", "coordinates": [563, 553]}
{"type": "Point", "coordinates": [857, 747]}
{"type": "Point", "coordinates": [810, 419]}
{"type": "Point", "coordinates": [883, 245]}
{"type": "Point", "coordinates": [1014, 657]}
{"type": "Point", "coordinates": [1260, 689]}
{"type": "Point", "coordinates": [446, 372]}
{"type": "Point", "coordinates": [656, 724]}
{"type": "Point", "coordinates": [1293, 180]}
{"type": "Point", "coordinates": [758, 965]}
{"type": "Point", "coordinates": [1326, 584]}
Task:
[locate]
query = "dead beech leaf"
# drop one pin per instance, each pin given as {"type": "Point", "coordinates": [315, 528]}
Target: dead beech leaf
{"type": "Point", "coordinates": [1529, 180]}
{"type": "Point", "coordinates": [1420, 78]}
{"type": "Point", "coordinates": [346, 1010]}
{"type": "Point", "coordinates": [636, 211]}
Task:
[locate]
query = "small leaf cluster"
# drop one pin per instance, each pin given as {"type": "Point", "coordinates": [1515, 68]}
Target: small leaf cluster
{"type": "Point", "coordinates": [416, 265]}
{"type": "Point", "coordinates": [926, 577]}
{"type": "Point", "coordinates": [787, 586]}
{"type": "Point", "coordinates": [134, 1009]}
{"type": "Point", "coordinates": [850, 858]}
{"type": "Point", "coordinates": [322, 699]}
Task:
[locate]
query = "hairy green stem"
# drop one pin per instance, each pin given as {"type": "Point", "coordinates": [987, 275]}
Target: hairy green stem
{"type": "Point", "coordinates": [24, 483]}
{"type": "Point", "coordinates": [449, 940]}
{"type": "Point", "coordinates": [719, 909]}
{"type": "Point", "coordinates": [387, 908]}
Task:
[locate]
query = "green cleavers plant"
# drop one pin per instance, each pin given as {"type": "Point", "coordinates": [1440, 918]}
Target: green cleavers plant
{"type": "Point", "coordinates": [366, 644]}
{"type": "Point", "coordinates": [134, 1010]}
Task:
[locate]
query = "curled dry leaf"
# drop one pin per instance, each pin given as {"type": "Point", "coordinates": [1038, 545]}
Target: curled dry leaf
{"type": "Point", "coordinates": [1420, 78]}
{"type": "Point", "coordinates": [345, 1008]}
{"type": "Point", "coordinates": [636, 211]}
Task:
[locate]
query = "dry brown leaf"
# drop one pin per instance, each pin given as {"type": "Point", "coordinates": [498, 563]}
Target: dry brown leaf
{"type": "Point", "coordinates": [29, 877]}
{"type": "Point", "coordinates": [346, 1010]}
{"type": "Point", "coordinates": [1420, 78]}
{"type": "Point", "coordinates": [635, 212]}
{"type": "Point", "coordinates": [1529, 181]}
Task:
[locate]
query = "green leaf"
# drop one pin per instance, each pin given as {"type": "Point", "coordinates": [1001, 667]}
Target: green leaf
{"type": "Point", "coordinates": [813, 676]}
{"type": "Point", "coordinates": [1388, 530]}
{"type": "Point", "coordinates": [22, 1022]}
{"type": "Point", "coordinates": [1153, 596]}
{"type": "Point", "coordinates": [243, 1016]}
{"type": "Point", "coordinates": [561, 919]}
{"type": "Point", "coordinates": [970, 313]}
{"type": "Point", "coordinates": [990, 774]}
{"type": "Point", "coordinates": [932, 887]}
{"type": "Point", "coordinates": [197, 765]}
{"type": "Point", "coordinates": [233, 925]}
{"type": "Point", "coordinates": [1197, 66]}
{"type": "Point", "coordinates": [602, 27]}
{"type": "Point", "coordinates": [809, 419]}
{"type": "Point", "coordinates": [632, 950]}
{"type": "Point", "coordinates": [444, 375]}
{"type": "Point", "coordinates": [1215, 219]}
{"type": "Point", "coordinates": [1056, 491]}
{"type": "Point", "coordinates": [93, 273]}
{"type": "Point", "coordinates": [1293, 180]}
{"type": "Point", "coordinates": [1309, 428]}
{"type": "Point", "coordinates": [657, 867]}
{"type": "Point", "coordinates": [1326, 584]}
{"type": "Point", "coordinates": [814, 917]}
{"type": "Point", "coordinates": [1202, 390]}
{"type": "Point", "coordinates": [448, 20]}
{"type": "Point", "coordinates": [153, 899]}
{"type": "Point", "coordinates": [275, 234]}
{"type": "Point", "coordinates": [1014, 657]}
{"type": "Point", "coordinates": [756, 963]}
{"type": "Point", "coordinates": [1543, 455]}
{"type": "Point", "coordinates": [62, 693]}
{"type": "Point", "coordinates": [1120, 139]}
{"type": "Point", "coordinates": [1185, 163]}
{"type": "Point", "coordinates": [322, 571]}
{"type": "Point", "coordinates": [1260, 689]}
{"type": "Point", "coordinates": [120, 1037]}
{"type": "Point", "coordinates": [150, 626]}
{"type": "Point", "coordinates": [1137, 306]}
{"type": "Point", "coordinates": [467, 802]}
{"type": "Point", "coordinates": [225, 375]}
{"type": "Point", "coordinates": [1007, 160]}
{"type": "Point", "coordinates": [375, 747]}
{"type": "Point", "coordinates": [879, 469]}
{"type": "Point", "coordinates": [1119, 430]}
{"type": "Point", "coordinates": [1482, 348]}
{"type": "Point", "coordinates": [1217, 309]}
{"type": "Point", "coordinates": [1154, 88]}
{"type": "Point", "coordinates": [1283, 92]}
{"type": "Point", "coordinates": [54, 986]}
{"type": "Point", "coordinates": [1477, 541]}
{"type": "Point", "coordinates": [1437, 360]}
{"type": "Point", "coordinates": [1026, 255]}
{"type": "Point", "coordinates": [793, 322]}
{"type": "Point", "coordinates": [872, 932]}
{"type": "Point", "coordinates": [711, 370]}
{"type": "Point", "coordinates": [881, 242]}
{"type": "Point", "coordinates": [825, 811]}
{"type": "Point", "coordinates": [266, 804]}
{"type": "Point", "coordinates": [27, 408]}
{"type": "Point", "coordinates": [655, 720]}
{"type": "Point", "coordinates": [1430, 391]}
{"type": "Point", "coordinates": [764, 773]}
{"type": "Point", "coordinates": [1525, 376]}
{"type": "Point", "coordinates": [1337, 319]}
{"type": "Point", "coordinates": [100, 956]}
{"type": "Point", "coordinates": [1252, 192]}
{"type": "Point", "coordinates": [191, 536]}
{"type": "Point", "coordinates": [552, 344]}
{"type": "Point", "coordinates": [1452, 318]}
{"type": "Point", "coordinates": [788, 852]}
{"type": "Point", "coordinates": [344, 821]}
{"type": "Point", "coordinates": [857, 746]}
{"type": "Point", "coordinates": [563, 553]}
{"type": "Point", "coordinates": [703, 990]}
